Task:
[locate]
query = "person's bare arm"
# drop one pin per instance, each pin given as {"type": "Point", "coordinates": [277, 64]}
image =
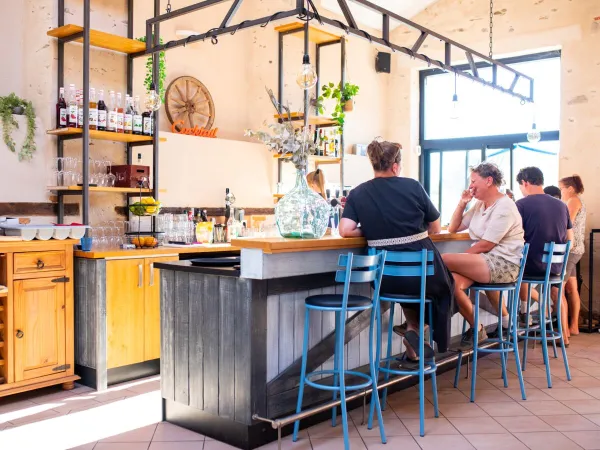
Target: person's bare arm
{"type": "Point", "coordinates": [573, 205]}
{"type": "Point", "coordinates": [456, 224]}
{"type": "Point", "coordinates": [435, 227]}
{"type": "Point", "coordinates": [481, 246]}
{"type": "Point", "coordinates": [570, 235]}
{"type": "Point", "coordinates": [349, 228]}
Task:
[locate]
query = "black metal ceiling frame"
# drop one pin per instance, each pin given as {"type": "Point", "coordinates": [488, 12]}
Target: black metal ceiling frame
{"type": "Point", "coordinates": [350, 28]}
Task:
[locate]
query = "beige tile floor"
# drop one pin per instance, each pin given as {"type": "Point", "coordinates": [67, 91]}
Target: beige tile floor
{"type": "Point", "coordinates": [127, 417]}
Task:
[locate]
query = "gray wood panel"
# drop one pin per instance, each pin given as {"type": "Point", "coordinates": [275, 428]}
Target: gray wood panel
{"type": "Point", "coordinates": [210, 332]}
{"type": "Point", "coordinates": [181, 317]}
{"type": "Point", "coordinates": [272, 336]}
{"type": "Point", "coordinates": [196, 340]}
{"type": "Point", "coordinates": [228, 297]}
{"type": "Point", "coordinates": [167, 335]}
{"type": "Point", "coordinates": [286, 330]}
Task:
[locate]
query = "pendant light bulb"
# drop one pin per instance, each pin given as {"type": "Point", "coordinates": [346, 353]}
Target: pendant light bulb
{"type": "Point", "coordinates": [455, 111]}
{"type": "Point", "coordinates": [153, 101]}
{"type": "Point", "coordinates": [307, 77]}
{"type": "Point", "coordinates": [534, 135]}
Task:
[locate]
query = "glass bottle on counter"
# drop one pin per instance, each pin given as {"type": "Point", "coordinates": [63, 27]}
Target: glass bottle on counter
{"type": "Point", "coordinates": [72, 121]}
{"type": "Point", "coordinates": [112, 113]}
{"type": "Point", "coordinates": [138, 120]}
{"type": "Point", "coordinates": [101, 111]}
{"type": "Point", "coordinates": [331, 144]}
{"type": "Point", "coordinates": [80, 108]}
{"type": "Point", "coordinates": [93, 111]}
{"type": "Point", "coordinates": [148, 128]}
{"type": "Point", "coordinates": [128, 116]}
{"type": "Point", "coordinates": [120, 113]}
{"type": "Point", "coordinates": [62, 116]}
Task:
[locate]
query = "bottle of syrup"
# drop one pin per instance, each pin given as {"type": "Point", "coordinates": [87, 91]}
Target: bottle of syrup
{"type": "Point", "coordinates": [120, 114]}
{"type": "Point", "coordinates": [72, 121]}
{"type": "Point", "coordinates": [61, 110]}
{"type": "Point", "coordinates": [102, 114]}
{"type": "Point", "coordinates": [128, 116]}
{"type": "Point", "coordinates": [93, 110]}
{"type": "Point", "coordinates": [138, 120]}
{"type": "Point", "coordinates": [148, 125]}
{"type": "Point", "coordinates": [112, 113]}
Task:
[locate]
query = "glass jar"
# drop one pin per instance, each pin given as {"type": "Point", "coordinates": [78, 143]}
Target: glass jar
{"type": "Point", "coordinates": [302, 213]}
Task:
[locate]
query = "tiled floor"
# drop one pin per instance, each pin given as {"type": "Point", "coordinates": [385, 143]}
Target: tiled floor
{"type": "Point", "coordinates": [127, 417]}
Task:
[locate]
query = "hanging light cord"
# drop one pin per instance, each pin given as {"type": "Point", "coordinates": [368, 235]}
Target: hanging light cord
{"type": "Point", "coordinates": [455, 76]}
{"type": "Point", "coordinates": [491, 28]}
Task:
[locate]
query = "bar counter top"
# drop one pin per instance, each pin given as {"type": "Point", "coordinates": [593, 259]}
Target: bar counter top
{"type": "Point", "coordinates": [281, 245]}
{"type": "Point", "coordinates": [159, 251]}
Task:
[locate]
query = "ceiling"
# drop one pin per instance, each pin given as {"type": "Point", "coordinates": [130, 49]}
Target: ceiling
{"type": "Point", "coordinates": [372, 19]}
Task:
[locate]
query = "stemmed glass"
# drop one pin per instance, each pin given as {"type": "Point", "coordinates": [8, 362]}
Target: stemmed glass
{"type": "Point", "coordinates": [110, 178]}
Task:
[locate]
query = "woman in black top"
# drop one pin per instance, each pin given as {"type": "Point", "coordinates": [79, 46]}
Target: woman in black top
{"type": "Point", "coordinates": [391, 207]}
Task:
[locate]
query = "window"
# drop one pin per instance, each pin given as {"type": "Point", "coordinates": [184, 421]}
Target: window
{"type": "Point", "coordinates": [491, 126]}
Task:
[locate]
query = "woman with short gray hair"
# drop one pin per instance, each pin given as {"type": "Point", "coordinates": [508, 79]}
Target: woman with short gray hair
{"type": "Point", "coordinates": [495, 224]}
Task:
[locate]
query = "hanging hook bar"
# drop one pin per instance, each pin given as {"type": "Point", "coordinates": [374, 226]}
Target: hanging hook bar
{"type": "Point", "coordinates": [241, 24]}
{"type": "Point", "coordinates": [367, 35]}
{"type": "Point", "coordinates": [274, 16]}
{"type": "Point", "coordinates": [213, 37]}
{"type": "Point", "coordinates": [343, 26]}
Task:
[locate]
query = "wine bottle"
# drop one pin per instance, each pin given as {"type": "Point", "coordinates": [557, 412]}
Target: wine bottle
{"type": "Point", "coordinates": [72, 106]}
{"type": "Point", "coordinates": [112, 113]}
{"type": "Point", "coordinates": [61, 110]}
{"type": "Point", "coordinates": [120, 113]}
{"type": "Point", "coordinates": [102, 119]}
{"type": "Point", "coordinates": [93, 110]}
{"type": "Point", "coordinates": [128, 116]}
{"type": "Point", "coordinates": [138, 120]}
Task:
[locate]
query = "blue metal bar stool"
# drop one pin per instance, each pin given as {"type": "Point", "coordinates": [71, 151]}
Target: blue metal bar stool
{"type": "Point", "coordinates": [553, 253]}
{"type": "Point", "coordinates": [414, 264]}
{"type": "Point", "coordinates": [506, 345]}
{"type": "Point", "coordinates": [370, 269]}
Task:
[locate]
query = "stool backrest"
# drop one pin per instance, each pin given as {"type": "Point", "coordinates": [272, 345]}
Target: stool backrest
{"type": "Point", "coordinates": [414, 264]}
{"type": "Point", "coordinates": [360, 269]}
{"type": "Point", "coordinates": [522, 267]}
{"type": "Point", "coordinates": [556, 254]}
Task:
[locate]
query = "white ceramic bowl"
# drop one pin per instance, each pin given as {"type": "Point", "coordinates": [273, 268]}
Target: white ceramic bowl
{"type": "Point", "coordinates": [77, 232]}
{"type": "Point", "coordinates": [43, 234]}
{"type": "Point", "coordinates": [61, 233]}
{"type": "Point", "coordinates": [27, 234]}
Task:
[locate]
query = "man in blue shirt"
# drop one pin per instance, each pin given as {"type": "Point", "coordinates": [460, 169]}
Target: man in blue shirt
{"type": "Point", "coordinates": [545, 219]}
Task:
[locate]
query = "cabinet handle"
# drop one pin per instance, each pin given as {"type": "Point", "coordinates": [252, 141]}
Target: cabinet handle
{"type": "Point", "coordinates": [140, 275]}
{"type": "Point", "coordinates": [20, 334]}
{"type": "Point", "coordinates": [151, 274]}
{"type": "Point", "coordinates": [40, 264]}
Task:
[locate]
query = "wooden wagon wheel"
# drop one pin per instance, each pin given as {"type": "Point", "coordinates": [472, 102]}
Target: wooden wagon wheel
{"type": "Point", "coordinates": [188, 99]}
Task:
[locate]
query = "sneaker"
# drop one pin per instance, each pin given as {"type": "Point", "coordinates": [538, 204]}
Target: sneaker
{"type": "Point", "coordinates": [522, 320]}
{"type": "Point", "coordinates": [494, 334]}
{"type": "Point", "coordinates": [467, 338]}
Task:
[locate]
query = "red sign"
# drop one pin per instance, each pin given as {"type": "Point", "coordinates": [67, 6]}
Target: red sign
{"type": "Point", "coordinates": [194, 131]}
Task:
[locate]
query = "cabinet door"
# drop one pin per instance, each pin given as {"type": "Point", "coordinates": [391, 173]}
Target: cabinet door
{"type": "Point", "coordinates": [152, 316]}
{"type": "Point", "coordinates": [39, 328]}
{"type": "Point", "coordinates": [125, 312]}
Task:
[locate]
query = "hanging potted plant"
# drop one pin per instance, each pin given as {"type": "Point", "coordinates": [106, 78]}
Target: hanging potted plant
{"type": "Point", "coordinates": [343, 97]}
{"type": "Point", "coordinates": [9, 105]}
{"type": "Point", "coordinates": [162, 71]}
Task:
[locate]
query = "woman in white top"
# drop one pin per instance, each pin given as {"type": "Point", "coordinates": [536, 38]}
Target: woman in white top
{"type": "Point", "coordinates": [495, 224]}
{"type": "Point", "coordinates": [570, 189]}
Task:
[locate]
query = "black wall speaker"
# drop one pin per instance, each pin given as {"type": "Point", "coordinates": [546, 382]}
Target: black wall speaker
{"type": "Point", "coordinates": [383, 62]}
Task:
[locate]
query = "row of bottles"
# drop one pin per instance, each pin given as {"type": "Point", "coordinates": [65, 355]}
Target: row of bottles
{"type": "Point", "coordinates": [112, 117]}
{"type": "Point", "coordinates": [327, 142]}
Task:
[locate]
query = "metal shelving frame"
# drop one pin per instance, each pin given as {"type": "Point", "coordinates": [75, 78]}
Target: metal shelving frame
{"type": "Point", "coordinates": [85, 136]}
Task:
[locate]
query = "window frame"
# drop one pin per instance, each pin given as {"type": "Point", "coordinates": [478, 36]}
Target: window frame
{"type": "Point", "coordinates": [484, 143]}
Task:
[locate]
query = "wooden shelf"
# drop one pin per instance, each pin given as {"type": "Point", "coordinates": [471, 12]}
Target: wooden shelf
{"type": "Point", "coordinates": [104, 135]}
{"type": "Point", "coordinates": [116, 190]}
{"type": "Point", "coordinates": [3, 291]}
{"type": "Point", "coordinates": [315, 35]}
{"type": "Point", "coordinates": [298, 120]}
{"type": "Point", "coordinates": [318, 160]}
{"type": "Point", "coordinates": [100, 39]}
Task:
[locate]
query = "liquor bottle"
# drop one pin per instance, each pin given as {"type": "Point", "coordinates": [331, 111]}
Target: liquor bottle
{"type": "Point", "coordinates": [72, 107]}
{"type": "Point", "coordinates": [112, 113]}
{"type": "Point", "coordinates": [337, 148]}
{"type": "Point", "coordinates": [139, 160]}
{"type": "Point", "coordinates": [80, 108]}
{"type": "Point", "coordinates": [320, 143]}
{"type": "Point", "coordinates": [128, 116]}
{"type": "Point", "coordinates": [101, 111]}
{"type": "Point", "coordinates": [148, 128]}
{"type": "Point", "coordinates": [93, 110]}
{"type": "Point", "coordinates": [331, 144]}
{"type": "Point", "coordinates": [61, 110]}
{"type": "Point", "coordinates": [120, 113]}
{"type": "Point", "coordinates": [138, 120]}
{"type": "Point", "coordinates": [325, 150]}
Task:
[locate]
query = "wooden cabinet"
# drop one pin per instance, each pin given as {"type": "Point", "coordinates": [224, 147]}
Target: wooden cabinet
{"type": "Point", "coordinates": [133, 310]}
{"type": "Point", "coordinates": [39, 328]}
{"type": "Point", "coordinates": [36, 315]}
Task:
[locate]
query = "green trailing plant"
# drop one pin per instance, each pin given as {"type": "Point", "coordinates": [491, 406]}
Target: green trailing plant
{"type": "Point", "coordinates": [341, 95]}
{"type": "Point", "coordinates": [7, 104]}
{"type": "Point", "coordinates": [162, 71]}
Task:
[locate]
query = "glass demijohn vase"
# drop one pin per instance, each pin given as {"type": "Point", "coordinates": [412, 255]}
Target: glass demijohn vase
{"type": "Point", "coordinates": [302, 213]}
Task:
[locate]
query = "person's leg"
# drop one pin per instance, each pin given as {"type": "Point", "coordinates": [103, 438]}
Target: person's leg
{"type": "Point", "coordinates": [574, 304]}
{"type": "Point", "coordinates": [465, 307]}
{"type": "Point", "coordinates": [412, 324]}
{"type": "Point", "coordinates": [563, 313]}
{"type": "Point", "coordinates": [494, 298]}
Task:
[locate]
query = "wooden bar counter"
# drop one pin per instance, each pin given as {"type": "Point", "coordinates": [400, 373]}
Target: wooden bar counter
{"type": "Point", "coordinates": [117, 311]}
{"type": "Point", "coordinates": [231, 340]}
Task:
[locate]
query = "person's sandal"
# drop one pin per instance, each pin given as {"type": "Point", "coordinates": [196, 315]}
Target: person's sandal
{"type": "Point", "coordinates": [413, 340]}
{"type": "Point", "coordinates": [400, 330]}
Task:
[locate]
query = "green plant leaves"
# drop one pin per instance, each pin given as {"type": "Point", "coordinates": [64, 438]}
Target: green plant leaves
{"type": "Point", "coordinates": [162, 71]}
{"type": "Point", "coordinates": [9, 124]}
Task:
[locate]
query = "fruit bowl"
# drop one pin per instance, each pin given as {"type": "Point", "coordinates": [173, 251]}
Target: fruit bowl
{"type": "Point", "coordinates": [147, 206]}
{"type": "Point", "coordinates": [146, 239]}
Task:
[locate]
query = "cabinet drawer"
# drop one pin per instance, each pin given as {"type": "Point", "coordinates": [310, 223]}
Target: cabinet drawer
{"type": "Point", "coordinates": [32, 262]}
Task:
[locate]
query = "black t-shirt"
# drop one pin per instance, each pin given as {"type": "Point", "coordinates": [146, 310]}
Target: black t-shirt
{"type": "Point", "coordinates": [390, 208]}
{"type": "Point", "coordinates": [545, 219]}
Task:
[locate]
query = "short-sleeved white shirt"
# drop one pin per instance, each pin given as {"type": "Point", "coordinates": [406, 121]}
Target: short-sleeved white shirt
{"type": "Point", "coordinates": [501, 224]}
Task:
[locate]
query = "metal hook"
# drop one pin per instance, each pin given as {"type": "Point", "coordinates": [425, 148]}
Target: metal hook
{"type": "Point", "coordinates": [213, 37]}
{"type": "Point", "coordinates": [188, 39]}
{"type": "Point", "coordinates": [317, 15]}
{"type": "Point", "coordinates": [343, 25]}
{"type": "Point", "coordinates": [389, 44]}
{"type": "Point", "coordinates": [427, 59]}
{"type": "Point", "coordinates": [271, 18]}
{"type": "Point", "coordinates": [240, 25]}
{"type": "Point", "coordinates": [523, 102]}
{"type": "Point", "coordinates": [367, 35]}
{"type": "Point", "coordinates": [409, 51]}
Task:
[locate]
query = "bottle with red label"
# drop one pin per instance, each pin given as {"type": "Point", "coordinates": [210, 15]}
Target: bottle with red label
{"type": "Point", "coordinates": [61, 110]}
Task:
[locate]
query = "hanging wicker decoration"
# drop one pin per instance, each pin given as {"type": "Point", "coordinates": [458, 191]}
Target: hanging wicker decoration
{"type": "Point", "coordinates": [188, 100]}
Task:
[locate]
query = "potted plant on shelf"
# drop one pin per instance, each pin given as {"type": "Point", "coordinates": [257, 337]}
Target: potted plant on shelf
{"type": "Point", "coordinates": [9, 105]}
{"type": "Point", "coordinates": [344, 100]}
{"type": "Point", "coordinates": [301, 213]}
